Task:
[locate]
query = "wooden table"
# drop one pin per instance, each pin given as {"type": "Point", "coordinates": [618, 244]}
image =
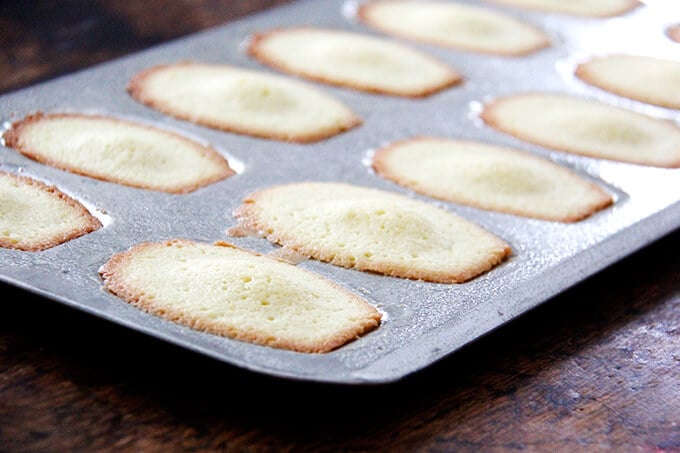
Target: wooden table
{"type": "Point", "coordinates": [597, 368]}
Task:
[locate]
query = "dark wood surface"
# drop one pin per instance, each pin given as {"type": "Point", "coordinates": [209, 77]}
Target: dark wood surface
{"type": "Point", "coordinates": [595, 369]}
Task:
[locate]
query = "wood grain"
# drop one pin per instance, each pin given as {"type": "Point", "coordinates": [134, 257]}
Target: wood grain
{"type": "Point", "coordinates": [51, 38]}
{"type": "Point", "coordinates": [595, 369]}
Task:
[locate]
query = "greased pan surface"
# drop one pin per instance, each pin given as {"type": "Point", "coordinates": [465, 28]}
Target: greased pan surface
{"type": "Point", "coordinates": [423, 322]}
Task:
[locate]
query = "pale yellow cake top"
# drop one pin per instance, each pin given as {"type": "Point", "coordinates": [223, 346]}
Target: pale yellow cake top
{"type": "Point", "coordinates": [454, 25]}
{"type": "Point", "coordinates": [242, 101]}
{"type": "Point", "coordinates": [354, 60]}
{"type": "Point", "coordinates": [228, 291]}
{"type": "Point", "coordinates": [591, 128]}
{"type": "Point", "coordinates": [372, 230]}
{"type": "Point", "coordinates": [652, 80]}
{"type": "Point", "coordinates": [118, 151]}
{"type": "Point", "coordinates": [588, 8]}
{"type": "Point", "coordinates": [35, 216]}
{"type": "Point", "coordinates": [490, 177]}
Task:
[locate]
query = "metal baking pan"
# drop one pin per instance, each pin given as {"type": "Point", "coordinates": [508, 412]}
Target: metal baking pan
{"type": "Point", "coordinates": [423, 322]}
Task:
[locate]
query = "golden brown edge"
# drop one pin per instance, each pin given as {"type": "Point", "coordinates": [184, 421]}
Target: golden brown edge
{"type": "Point", "coordinates": [489, 116]}
{"type": "Point", "coordinates": [136, 90]}
{"type": "Point", "coordinates": [248, 218]}
{"type": "Point", "coordinates": [364, 15]}
{"type": "Point", "coordinates": [257, 50]}
{"type": "Point", "coordinates": [673, 32]}
{"type": "Point", "coordinates": [380, 164]}
{"type": "Point", "coordinates": [13, 140]}
{"type": "Point", "coordinates": [108, 272]}
{"type": "Point", "coordinates": [585, 72]}
{"type": "Point", "coordinates": [628, 6]}
{"type": "Point", "coordinates": [91, 223]}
